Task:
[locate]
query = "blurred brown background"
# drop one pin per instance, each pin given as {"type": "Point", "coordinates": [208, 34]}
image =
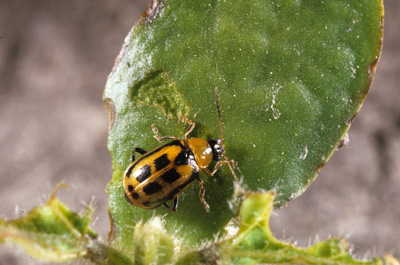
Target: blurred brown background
{"type": "Point", "coordinates": [54, 60]}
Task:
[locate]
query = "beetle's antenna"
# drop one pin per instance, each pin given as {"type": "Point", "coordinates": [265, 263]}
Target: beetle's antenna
{"type": "Point", "coordinates": [219, 115]}
{"type": "Point", "coordinates": [227, 161]}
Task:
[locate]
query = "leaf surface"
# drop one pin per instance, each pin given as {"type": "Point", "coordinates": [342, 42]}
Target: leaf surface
{"type": "Point", "coordinates": [291, 76]}
{"type": "Point", "coordinates": [50, 232]}
{"type": "Point", "coordinates": [254, 243]}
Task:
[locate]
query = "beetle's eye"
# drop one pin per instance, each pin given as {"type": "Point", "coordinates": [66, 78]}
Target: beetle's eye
{"type": "Point", "coordinates": [217, 148]}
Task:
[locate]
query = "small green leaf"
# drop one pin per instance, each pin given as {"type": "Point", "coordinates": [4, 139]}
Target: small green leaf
{"type": "Point", "coordinates": [152, 244]}
{"type": "Point", "coordinates": [291, 77]}
{"type": "Point", "coordinates": [254, 243]}
{"type": "Point", "coordinates": [50, 232]}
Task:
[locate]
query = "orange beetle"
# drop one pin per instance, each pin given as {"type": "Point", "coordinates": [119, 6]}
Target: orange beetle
{"type": "Point", "coordinates": [160, 175]}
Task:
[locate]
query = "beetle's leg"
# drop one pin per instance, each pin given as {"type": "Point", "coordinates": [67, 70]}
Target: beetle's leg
{"type": "Point", "coordinates": [231, 163]}
{"type": "Point", "coordinates": [174, 207]}
{"type": "Point", "coordinates": [220, 163]}
{"type": "Point", "coordinates": [137, 150]}
{"type": "Point", "coordinates": [168, 207]}
{"type": "Point", "coordinates": [207, 171]}
{"type": "Point", "coordinates": [190, 128]}
{"type": "Point", "coordinates": [201, 195]}
{"type": "Point", "coordinates": [160, 139]}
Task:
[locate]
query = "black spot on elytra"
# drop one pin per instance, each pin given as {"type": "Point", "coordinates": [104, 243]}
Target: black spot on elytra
{"type": "Point", "coordinates": [144, 174]}
{"type": "Point", "coordinates": [170, 176]}
{"type": "Point", "coordinates": [127, 198]}
{"type": "Point", "coordinates": [135, 195]}
{"type": "Point", "coordinates": [161, 162]}
{"type": "Point", "coordinates": [129, 171]}
{"type": "Point", "coordinates": [184, 185]}
{"type": "Point", "coordinates": [130, 188]}
{"type": "Point", "coordinates": [151, 188]}
{"type": "Point", "coordinates": [182, 158]}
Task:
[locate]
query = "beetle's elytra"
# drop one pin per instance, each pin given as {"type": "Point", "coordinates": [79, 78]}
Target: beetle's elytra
{"type": "Point", "coordinates": [160, 175]}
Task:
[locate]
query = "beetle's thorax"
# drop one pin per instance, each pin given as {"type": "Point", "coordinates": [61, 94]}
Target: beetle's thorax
{"type": "Point", "coordinates": [201, 150]}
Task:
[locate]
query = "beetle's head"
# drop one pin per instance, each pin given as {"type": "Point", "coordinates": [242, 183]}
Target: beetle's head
{"type": "Point", "coordinates": [217, 148]}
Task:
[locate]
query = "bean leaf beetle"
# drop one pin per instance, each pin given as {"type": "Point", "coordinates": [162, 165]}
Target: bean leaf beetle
{"type": "Point", "coordinates": [160, 175]}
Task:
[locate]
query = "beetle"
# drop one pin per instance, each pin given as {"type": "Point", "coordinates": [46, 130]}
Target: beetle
{"type": "Point", "coordinates": [160, 175]}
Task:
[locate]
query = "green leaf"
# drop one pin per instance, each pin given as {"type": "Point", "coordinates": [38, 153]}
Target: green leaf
{"type": "Point", "coordinates": [50, 232]}
{"type": "Point", "coordinates": [152, 244]}
{"type": "Point", "coordinates": [254, 243]}
{"type": "Point", "coordinates": [291, 76]}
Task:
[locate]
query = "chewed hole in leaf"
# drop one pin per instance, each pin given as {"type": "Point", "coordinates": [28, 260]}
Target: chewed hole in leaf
{"type": "Point", "coordinates": [158, 90]}
{"type": "Point", "coordinates": [110, 108]}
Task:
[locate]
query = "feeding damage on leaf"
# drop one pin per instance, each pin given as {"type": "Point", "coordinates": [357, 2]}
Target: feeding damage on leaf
{"type": "Point", "coordinates": [110, 108]}
{"type": "Point", "coordinates": [158, 90]}
{"type": "Point", "coordinates": [151, 12]}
